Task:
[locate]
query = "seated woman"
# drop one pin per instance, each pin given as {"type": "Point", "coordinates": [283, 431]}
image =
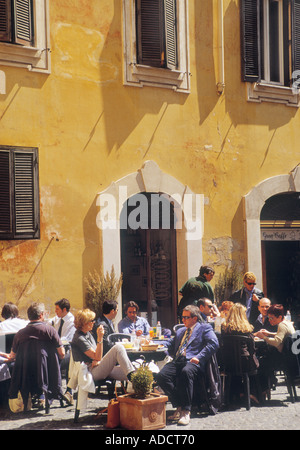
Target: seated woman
{"type": "Point", "coordinates": [237, 324]}
{"type": "Point", "coordinates": [114, 364]}
{"type": "Point", "coordinates": [272, 360]}
{"type": "Point", "coordinates": [285, 328]}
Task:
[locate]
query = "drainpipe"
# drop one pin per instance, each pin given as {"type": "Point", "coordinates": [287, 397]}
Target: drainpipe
{"type": "Point", "coordinates": [221, 82]}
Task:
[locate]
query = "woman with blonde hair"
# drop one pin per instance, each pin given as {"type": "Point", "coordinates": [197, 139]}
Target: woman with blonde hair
{"type": "Point", "coordinates": [237, 324]}
{"type": "Point", "coordinates": [115, 363]}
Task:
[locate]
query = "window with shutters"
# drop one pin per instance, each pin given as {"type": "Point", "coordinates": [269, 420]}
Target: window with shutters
{"type": "Point", "coordinates": [156, 44]}
{"type": "Point", "coordinates": [270, 32]}
{"type": "Point", "coordinates": [19, 193]}
{"type": "Point", "coordinates": [24, 34]}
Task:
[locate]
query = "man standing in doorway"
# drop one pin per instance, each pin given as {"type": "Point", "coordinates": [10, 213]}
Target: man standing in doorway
{"type": "Point", "coordinates": [249, 296]}
{"type": "Point", "coordinates": [196, 288]}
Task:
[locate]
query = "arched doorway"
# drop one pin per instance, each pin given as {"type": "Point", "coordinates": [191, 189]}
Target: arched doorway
{"type": "Point", "coordinates": [280, 234]}
{"type": "Point", "coordinates": [189, 209]}
{"type": "Point", "coordinates": [148, 257]}
{"type": "Point", "coordinates": [254, 201]}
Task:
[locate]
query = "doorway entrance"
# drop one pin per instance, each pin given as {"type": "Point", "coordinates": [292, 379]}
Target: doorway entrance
{"type": "Point", "coordinates": [280, 234]}
{"type": "Point", "coordinates": [148, 257]}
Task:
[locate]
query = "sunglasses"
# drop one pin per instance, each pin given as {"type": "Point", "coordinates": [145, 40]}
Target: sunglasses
{"type": "Point", "coordinates": [251, 283]}
{"type": "Point", "coordinates": [186, 317]}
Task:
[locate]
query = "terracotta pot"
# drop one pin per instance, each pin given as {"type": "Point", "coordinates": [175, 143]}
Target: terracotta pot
{"type": "Point", "coordinates": [143, 414]}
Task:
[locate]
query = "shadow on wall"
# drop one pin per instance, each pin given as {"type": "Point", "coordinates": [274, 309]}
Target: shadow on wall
{"type": "Point", "coordinates": [125, 106]}
{"type": "Point", "coordinates": [92, 254]}
{"type": "Point", "coordinates": [205, 69]}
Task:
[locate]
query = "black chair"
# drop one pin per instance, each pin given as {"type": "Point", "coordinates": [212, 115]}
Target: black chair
{"type": "Point", "coordinates": [291, 364]}
{"type": "Point", "coordinates": [36, 372]}
{"type": "Point", "coordinates": [177, 326]}
{"type": "Point", "coordinates": [236, 364]}
{"type": "Point", "coordinates": [208, 390]}
{"type": "Point", "coordinates": [8, 341]}
{"type": "Point", "coordinates": [117, 337]}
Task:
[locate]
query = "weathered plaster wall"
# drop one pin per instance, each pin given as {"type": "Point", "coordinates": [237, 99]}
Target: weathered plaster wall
{"type": "Point", "coordinates": [92, 130]}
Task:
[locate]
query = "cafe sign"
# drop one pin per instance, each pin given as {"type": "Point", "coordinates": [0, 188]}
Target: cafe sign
{"type": "Point", "coordinates": [280, 235]}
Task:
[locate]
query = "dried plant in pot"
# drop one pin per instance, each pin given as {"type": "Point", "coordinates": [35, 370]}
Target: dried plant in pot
{"type": "Point", "coordinates": [100, 287]}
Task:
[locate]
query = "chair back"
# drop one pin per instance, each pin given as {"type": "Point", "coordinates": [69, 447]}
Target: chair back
{"type": "Point", "coordinates": [117, 337]}
{"type": "Point", "coordinates": [237, 353]}
{"type": "Point", "coordinates": [177, 326]}
{"type": "Point", "coordinates": [8, 341]}
{"type": "Point", "coordinates": [36, 369]}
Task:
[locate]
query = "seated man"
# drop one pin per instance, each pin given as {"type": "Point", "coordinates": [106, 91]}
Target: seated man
{"type": "Point", "coordinates": [191, 348]}
{"type": "Point", "coordinates": [263, 321]}
{"type": "Point", "coordinates": [206, 308]}
{"type": "Point", "coordinates": [37, 330]}
{"type": "Point", "coordinates": [12, 322]}
{"type": "Point", "coordinates": [132, 322]}
{"type": "Point", "coordinates": [109, 313]}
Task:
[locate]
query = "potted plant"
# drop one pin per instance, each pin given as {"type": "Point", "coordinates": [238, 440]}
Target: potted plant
{"type": "Point", "coordinates": [144, 409]}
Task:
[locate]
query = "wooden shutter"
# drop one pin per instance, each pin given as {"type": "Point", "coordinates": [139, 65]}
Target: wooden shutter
{"type": "Point", "coordinates": [19, 193]}
{"type": "Point", "coordinates": [170, 33]}
{"type": "Point", "coordinates": [250, 40]}
{"type": "Point", "coordinates": [5, 193]}
{"type": "Point", "coordinates": [149, 30]}
{"type": "Point", "coordinates": [5, 20]}
{"type": "Point", "coordinates": [295, 14]}
{"type": "Point", "coordinates": [23, 21]}
{"type": "Point", "coordinates": [24, 193]}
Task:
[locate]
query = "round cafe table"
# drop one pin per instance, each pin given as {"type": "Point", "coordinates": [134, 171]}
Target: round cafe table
{"type": "Point", "coordinates": [149, 355]}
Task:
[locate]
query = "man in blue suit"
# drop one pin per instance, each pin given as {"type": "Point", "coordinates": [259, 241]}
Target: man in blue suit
{"type": "Point", "coordinates": [191, 348]}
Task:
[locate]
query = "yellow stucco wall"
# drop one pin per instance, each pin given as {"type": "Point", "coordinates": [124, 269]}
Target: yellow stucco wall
{"type": "Point", "coordinates": [91, 130]}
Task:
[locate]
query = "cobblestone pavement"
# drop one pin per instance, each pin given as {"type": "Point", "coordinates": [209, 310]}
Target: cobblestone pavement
{"type": "Point", "coordinates": [277, 414]}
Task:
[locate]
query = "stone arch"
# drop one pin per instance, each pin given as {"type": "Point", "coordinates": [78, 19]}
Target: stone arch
{"type": "Point", "coordinates": [253, 204]}
{"type": "Point", "coordinates": [150, 178]}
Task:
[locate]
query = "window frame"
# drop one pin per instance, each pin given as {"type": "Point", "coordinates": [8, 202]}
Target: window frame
{"type": "Point", "coordinates": [139, 75]}
{"type": "Point", "coordinates": [266, 38]}
{"type": "Point", "coordinates": [259, 86]}
{"type": "Point", "coordinates": [36, 56]}
{"type": "Point", "coordinates": [14, 201]}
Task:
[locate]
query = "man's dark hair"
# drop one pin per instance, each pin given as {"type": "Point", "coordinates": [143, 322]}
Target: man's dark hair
{"type": "Point", "coordinates": [108, 306]}
{"type": "Point", "coordinates": [63, 303]}
{"type": "Point", "coordinates": [206, 269]}
{"type": "Point", "coordinates": [131, 304]}
{"type": "Point", "coordinates": [202, 302]}
{"type": "Point", "coordinates": [9, 311]}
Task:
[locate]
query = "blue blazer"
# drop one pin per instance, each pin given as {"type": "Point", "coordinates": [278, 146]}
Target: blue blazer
{"type": "Point", "coordinates": [202, 344]}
